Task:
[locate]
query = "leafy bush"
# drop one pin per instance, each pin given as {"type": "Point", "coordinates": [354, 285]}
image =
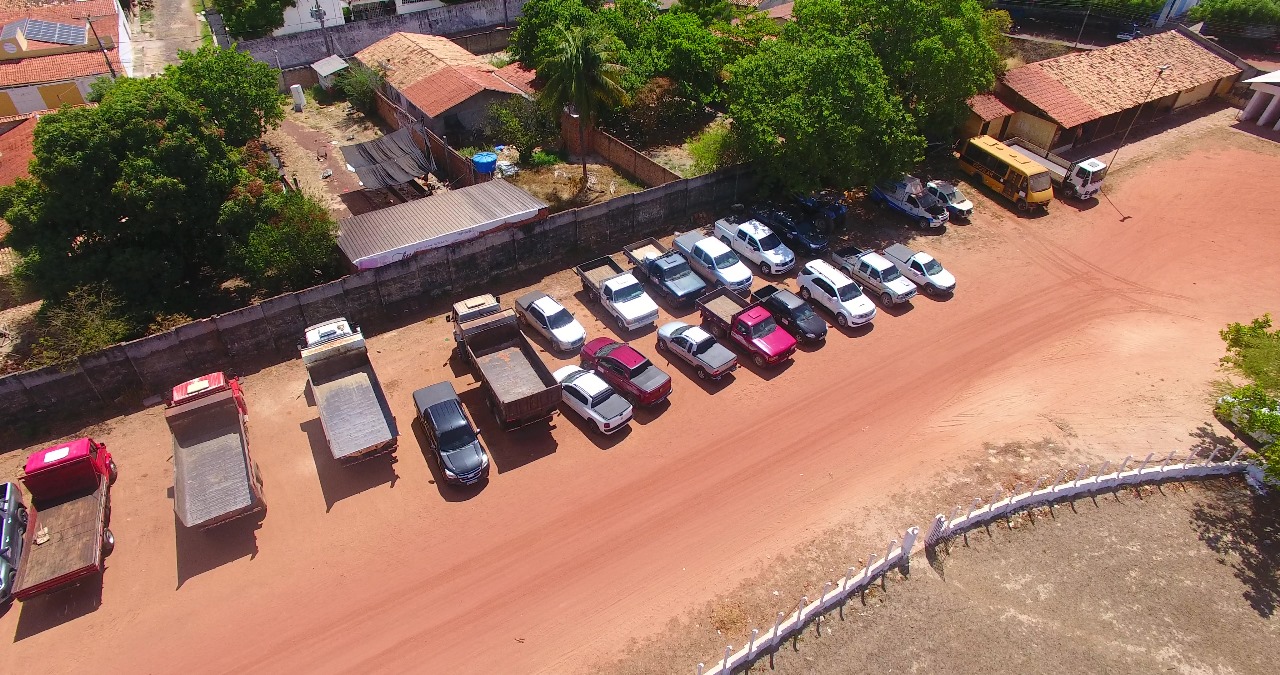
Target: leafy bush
{"type": "Point", "coordinates": [360, 84]}
{"type": "Point", "coordinates": [83, 321]}
{"type": "Point", "coordinates": [540, 159]}
{"type": "Point", "coordinates": [1254, 351]}
{"type": "Point", "coordinates": [1236, 15]}
{"type": "Point", "coordinates": [525, 123]}
{"type": "Point", "coordinates": [711, 150]}
{"type": "Point", "coordinates": [295, 248]}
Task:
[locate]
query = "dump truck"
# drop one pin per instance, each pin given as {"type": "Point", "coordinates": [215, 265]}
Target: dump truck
{"type": "Point", "coordinates": [67, 539]}
{"type": "Point", "coordinates": [357, 421]}
{"type": "Point", "coordinates": [618, 292]}
{"type": "Point", "coordinates": [1081, 180]}
{"type": "Point", "coordinates": [517, 383]}
{"type": "Point", "coordinates": [667, 270]}
{"type": "Point", "coordinates": [214, 478]}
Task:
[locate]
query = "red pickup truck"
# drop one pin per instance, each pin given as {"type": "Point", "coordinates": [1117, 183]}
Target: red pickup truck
{"type": "Point", "coordinates": [67, 538]}
{"type": "Point", "coordinates": [749, 325]}
{"type": "Point", "coordinates": [627, 371]}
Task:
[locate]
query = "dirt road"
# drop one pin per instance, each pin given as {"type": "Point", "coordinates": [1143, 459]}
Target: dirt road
{"type": "Point", "coordinates": [1076, 321]}
{"type": "Point", "coordinates": [174, 28]}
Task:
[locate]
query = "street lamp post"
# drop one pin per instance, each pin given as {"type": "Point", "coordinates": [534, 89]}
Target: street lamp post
{"type": "Point", "coordinates": [1159, 73]}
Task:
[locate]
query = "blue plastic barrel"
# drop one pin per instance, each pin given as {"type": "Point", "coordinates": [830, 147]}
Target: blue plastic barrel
{"type": "Point", "coordinates": [485, 162]}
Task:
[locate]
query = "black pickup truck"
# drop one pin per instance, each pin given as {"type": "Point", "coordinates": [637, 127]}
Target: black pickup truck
{"type": "Point", "coordinates": [792, 313]}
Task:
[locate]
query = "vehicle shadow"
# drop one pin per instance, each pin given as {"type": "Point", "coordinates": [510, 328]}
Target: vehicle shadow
{"type": "Point", "coordinates": [339, 481]}
{"type": "Point", "coordinates": [677, 313]}
{"type": "Point", "coordinates": [810, 347]}
{"type": "Point", "coordinates": [645, 414]}
{"type": "Point", "coordinates": [708, 385]}
{"type": "Point", "coordinates": [450, 491]}
{"type": "Point", "coordinates": [200, 551]}
{"type": "Point", "coordinates": [896, 310]}
{"type": "Point", "coordinates": [852, 331]}
{"type": "Point", "coordinates": [767, 372]}
{"type": "Point", "coordinates": [541, 342]}
{"type": "Point", "coordinates": [1076, 204]}
{"type": "Point", "coordinates": [60, 607]}
{"type": "Point", "coordinates": [508, 450]}
{"type": "Point", "coordinates": [588, 429]}
{"type": "Point", "coordinates": [936, 297]}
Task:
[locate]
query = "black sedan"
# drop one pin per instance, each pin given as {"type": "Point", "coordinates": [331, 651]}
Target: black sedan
{"type": "Point", "coordinates": [453, 438]}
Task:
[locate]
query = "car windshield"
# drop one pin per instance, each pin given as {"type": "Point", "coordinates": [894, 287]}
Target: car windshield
{"type": "Point", "coordinates": [770, 242]}
{"type": "Point", "coordinates": [628, 293]}
{"type": "Point", "coordinates": [560, 319]}
{"type": "Point", "coordinates": [927, 200]}
{"type": "Point", "coordinates": [1040, 182]}
{"type": "Point", "coordinates": [802, 312]}
{"type": "Point", "coordinates": [455, 438]}
{"type": "Point", "coordinates": [932, 267]}
{"type": "Point", "coordinates": [678, 270]}
{"type": "Point", "coordinates": [763, 328]}
{"type": "Point", "coordinates": [726, 260]}
{"type": "Point", "coordinates": [889, 273]}
{"type": "Point", "coordinates": [955, 195]}
{"type": "Point", "coordinates": [639, 369]}
{"type": "Point", "coordinates": [1097, 176]}
{"type": "Point", "coordinates": [848, 292]}
{"type": "Point", "coordinates": [702, 347]}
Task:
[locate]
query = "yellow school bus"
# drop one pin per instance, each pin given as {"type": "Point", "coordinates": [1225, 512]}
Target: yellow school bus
{"type": "Point", "coordinates": [1023, 181]}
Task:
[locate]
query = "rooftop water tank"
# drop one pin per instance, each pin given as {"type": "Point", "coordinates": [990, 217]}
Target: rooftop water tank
{"type": "Point", "coordinates": [485, 162]}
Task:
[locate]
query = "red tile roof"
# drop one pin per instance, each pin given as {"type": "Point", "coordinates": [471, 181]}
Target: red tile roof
{"type": "Point", "coordinates": [437, 93]}
{"type": "Point", "coordinates": [16, 150]}
{"type": "Point", "coordinates": [989, 107]}
{"type": "Point", "coordinates": [1084, 86]}
{"type": "Point", "coordinates": [431, 72]}
{"type": "Point", "coordinates": [37, 69]}
{"type": "Point", "coordinates": [519, 76]}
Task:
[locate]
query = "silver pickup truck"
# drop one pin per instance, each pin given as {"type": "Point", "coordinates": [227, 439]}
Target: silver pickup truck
{"type": "Point", "coordinates": [876, 273]}
{"type": "Point", "coordinates": [922, 268]}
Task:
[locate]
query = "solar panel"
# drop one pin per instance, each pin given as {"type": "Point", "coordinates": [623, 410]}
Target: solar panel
{"type": "Point", "coordinates": [55, 33]}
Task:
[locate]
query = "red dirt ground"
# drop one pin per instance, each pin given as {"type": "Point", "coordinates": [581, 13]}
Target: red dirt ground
{"type": "Point", "coordinates": [1072, 321]}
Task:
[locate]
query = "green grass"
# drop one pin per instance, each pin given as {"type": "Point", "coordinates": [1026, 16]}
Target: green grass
{"type": "Point", "coordinates": [146, 16]}
{"type": "Point", "coordinates": [206, 35]}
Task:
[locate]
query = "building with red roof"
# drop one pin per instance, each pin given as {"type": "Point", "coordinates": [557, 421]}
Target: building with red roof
{"type": "Point", "coordinates": [444, 86]}
{"type": "Point", "coordinates": [52, 51]}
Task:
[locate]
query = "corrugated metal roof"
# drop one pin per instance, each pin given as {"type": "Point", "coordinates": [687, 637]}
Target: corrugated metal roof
{"type": "Point", "coordinates": [329, 65]}
{"type": "Point", "coordinates": [379, 237]}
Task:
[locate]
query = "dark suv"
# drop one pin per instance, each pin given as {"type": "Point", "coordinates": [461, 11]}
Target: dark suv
{"type": "Point", "coordinates": [454, 439]}
{"type": "Point", "coordinates": [13, 525]}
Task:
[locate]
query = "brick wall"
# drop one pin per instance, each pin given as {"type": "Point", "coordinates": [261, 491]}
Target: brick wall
{"type": "Point", "coordinates": [267, 332]}
{"type": "Point", "coordinates": [621, 156]}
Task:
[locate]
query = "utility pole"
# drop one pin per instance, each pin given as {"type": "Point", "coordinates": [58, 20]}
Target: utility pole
{"type": "Point", "coordinates": [106, 57]}
{"type": "Point", "coordinates": [1159, 73]}
{"type": "Point", "coordinates": [1082, 23]}
{"type": "Point", "coordinates": [318, 14]}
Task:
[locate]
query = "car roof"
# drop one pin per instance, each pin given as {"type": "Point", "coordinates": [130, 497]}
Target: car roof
{"type": "Point", "coordinates": [788, 299]}
{"type": "Point", "coordinates": [428, 396]}
{"type": "Point", "coordinates": [547, 305]}
{"type": "Point", "coordinates": [694, 333]}
{"type": "Point", "coordinates": [755, 315]}
{"type": "Point", "coordinates": [833, 275]}
{"type": "Point", "coordinates": [620, 281]}
{"type": "Point", "coordinates": [447, 415]}
{"type": "Point", "coordinates": [1093, 164]}
{"type": "Point", "coordinates": [755, 228]}
{"type": "Point", "coordinates": [529, 298]}
{"type": "Point", "coordinates": [622, 353]}
{"type": "Point", "coordinates": [714, 247]}
{"type": "Point", "coordinates": [877, 261]}
{"type": "Point", "coordinates": [587, 382]}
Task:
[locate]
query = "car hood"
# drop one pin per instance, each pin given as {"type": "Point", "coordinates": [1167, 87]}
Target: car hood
{"type": "Point", "coordinates": [686, 284]}
{"type": "Point", "coordinates": [779, 256]}
{"type": "Point", "coordinates": [813, 325]}
{"type": "Point", "coordinates": [901, 286]}
{"type": "Point", "coordinates": [965, 205]}
{"type": "Point", "coordinates": [861, 305]}
{"type": "Point", "coordinates": [572, 334]}
{"type": "Point", "coordinates": [634, 309]}
{"type": "Point", "coordinates": [776, 342]}
{"type": "Point", "coordinates": [812, 240]}
{"type": "Point", "coordinates": [613, 407]}
{"type": "Point", "coordinates": [735, 275]}
{"type": "Point", "coordinates": [944, 279]}
{"type": "Point", "coordinates": [717, 357]}
{"type": "Point", "coordinates": [467, 459]}
{"type": "Point", "coordinates": [650, 379]}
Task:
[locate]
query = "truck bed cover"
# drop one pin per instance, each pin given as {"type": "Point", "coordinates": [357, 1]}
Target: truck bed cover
{"type": "Point", "coordinates": [353, 410]}
{"type": "Point", "coordinates": [74, 526]}
{"type": "Point", "coordinates": [210, 462]}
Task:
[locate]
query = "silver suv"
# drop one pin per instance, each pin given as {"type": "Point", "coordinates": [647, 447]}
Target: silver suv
{"type": "Point", "coordinates": [13, 525]}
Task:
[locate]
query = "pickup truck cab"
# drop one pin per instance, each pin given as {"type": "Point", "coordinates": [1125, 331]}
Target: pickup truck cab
{"type": "Point", "coordinates": [618, 292]}
{"type": "Point", "coordinates": [908, 197]}
{"type": "Point", "coordinates": [549, 318]}
{"type": "Point", "coordinates": [748, 325]}
{"type": "Point", "coordinates": [665, 270]}
{"type": "Point", "coordinates": [698, 348]}
{"type": "Point", "coordinates": [797, 229]}
{"type": "Point", "coordinates": [454, 440]}
{"type": "Point", "coordinates": [593, 399]}
{"type": "Point", "coordinates": [921, 268]}
{"type": "Point", "coordinates": [830, 288]}
{"type": "Point", "coordinates": [757, 243]}
{"type": "Point", "coordinates": [950, 196]}
{"type": "Point", "coordinates": [876, 273]}
{"type": "Point", "coordinates": [714, 261]}
{"type": "Point", "coordinates": [792, 312]}
{"type": "Point", "coordinates": [626, 370]}
{"type": "Point", "coordinates": [13, 528]}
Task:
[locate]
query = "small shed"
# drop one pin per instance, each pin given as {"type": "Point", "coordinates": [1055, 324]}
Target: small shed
{"type": "Point", "coordinates": [384, 236]}
{"type": "Point", "coordinates": [327, 68]}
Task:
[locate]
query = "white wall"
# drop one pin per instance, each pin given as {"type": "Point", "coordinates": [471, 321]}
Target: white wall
{"type": "Point", "coordinates": [124, 41]}
{"type": "Point", "coordinates": [407, 6]}
{"type": "Point", "coordinates": [298, 17]}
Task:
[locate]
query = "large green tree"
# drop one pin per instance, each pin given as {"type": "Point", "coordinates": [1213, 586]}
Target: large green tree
{"type": "Point", "coordinates": [1237, 16]}
{"type": "Point", "coordinates": [540, 21]}
{"type": "Point", "coordinates": [817, 115]}
{"type": "Point", "coordinates": [126, 193]}
{"type": "Point", "coordinates": [240, 94]}
{"type": "Point", "coordinates": [581, 71]}
{"type": "Point", "coordinates": [253, 18]}
{"type": "Point", "coordinates": [293, 247]}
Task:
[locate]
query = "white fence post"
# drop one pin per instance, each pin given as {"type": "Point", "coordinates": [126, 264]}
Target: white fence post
{"type": "Point", "coordinates": [976, 502]}
{"type": "Point", "coordinates": [776, 623]}
{"type": "Point", "coordinates": [804, 600]}
{"type": "Point", "coordinates": [1167, 459]}
{"type": "Point", "coordinates": [724, 665]}
{"type": "Point", "coordinates": [909, 540]}
{"type": "Point", "coordinates": [1190, 456]}
{"type": "Point", "coordinates": [751, 646]}
{"type": "Point", "coordinates": [699, 669]}
{"type": "Point", "coordinates": [847, 576]}
{"type": "Point", "coordinates": [1084, 469]}
{"type": "Point", "coordinates": [1061, 474]}
{"type": "Point", "coordinates": [1237, 454]}
{"type": "Point", "coordinates": [888, 556]}
{"type": "Point", "coordinates": [1146, 461]}
{"type": "Point", "coordinates": [1212, 453]}
{"type": "Point", "coordinates": [1105, 467]}
{"type": "Point", "coordinates": [1127, 459]}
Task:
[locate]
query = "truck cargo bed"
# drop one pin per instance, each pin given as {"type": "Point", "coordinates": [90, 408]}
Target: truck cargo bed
{"type": "Point", "coordinates": [510, 373]}
{"type": "Point", "coordinates": [211, 474]}
{"type": "Point", "coordinates": [74, 546]}
{"type": "Point", "coordinates": [646, 252]}
{"type": "Point", "coordinates": [1058, 171]}
{"type": "Point", "coordinates": [353, 412]}
{"type": "Point", "coordinates": [723, 307]}
{"type": "Point", "coordinates": [599, 275]}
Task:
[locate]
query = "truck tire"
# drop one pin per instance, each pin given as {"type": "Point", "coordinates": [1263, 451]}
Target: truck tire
{"type": "Point", "coordinates": [702, 373]}
{"type": "Point", "coordinates": [661, 346]}
{"type": "Point", "coordinates": [804, 293]}
{"type": "Point", "coordinates": [758, 360]}
{"type": "Point", "coordinates": [717, 331]}
{"type": "Point", "coordinates": [842, 320]}
{"type": "Point", "coordinates": [112, 472]}
{"type": "Point", "coordinates": [108, 543]}
{"type": "Point", "coordinates": [1022, 205]}
{"type": "Point", "coordinates": [23, 519]}
{"type": "Point", "coordinates": [765, 269]}
{"type": "Point", "coordinates": [922, 223]}
{"type": "Point", "coordinates": [886, 299]}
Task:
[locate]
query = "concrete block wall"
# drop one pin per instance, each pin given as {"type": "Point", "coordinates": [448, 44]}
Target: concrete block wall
{"type": "Point", "coordinates": [268, 332]}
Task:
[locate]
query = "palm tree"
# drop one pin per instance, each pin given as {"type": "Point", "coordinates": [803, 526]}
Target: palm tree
{"type": "Point", "coordinates": [581, 71]}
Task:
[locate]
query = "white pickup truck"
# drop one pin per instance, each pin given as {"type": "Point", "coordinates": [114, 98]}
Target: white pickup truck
{"type": "Point", "coordinates": [714, 261]}
{"type": "Point", "coordinates": [908, 196]}
{"type": "Point", "coordinates": [876, 273]}
{"type": "Point", "coordinates": [922, 268]}
{"type": "Point", "coordinates": [754, 241]}
{"type": "Point", "coordinates": [618, 292]}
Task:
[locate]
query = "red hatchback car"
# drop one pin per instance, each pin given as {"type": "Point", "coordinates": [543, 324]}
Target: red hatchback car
{"type": "Point", "coordinates": [627, 370]}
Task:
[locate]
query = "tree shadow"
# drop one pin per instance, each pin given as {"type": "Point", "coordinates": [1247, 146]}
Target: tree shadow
{"type": "Point", "coordinates": [1207, 441]}
{"type": "Point", "coordinates": [339, 481]}
{"type": "Point", "coordinates": [41, 613]}
{"type": "Point", "coordinates": [199, 551]}
{"type": "Point", "coordinates": [1244, 528]}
